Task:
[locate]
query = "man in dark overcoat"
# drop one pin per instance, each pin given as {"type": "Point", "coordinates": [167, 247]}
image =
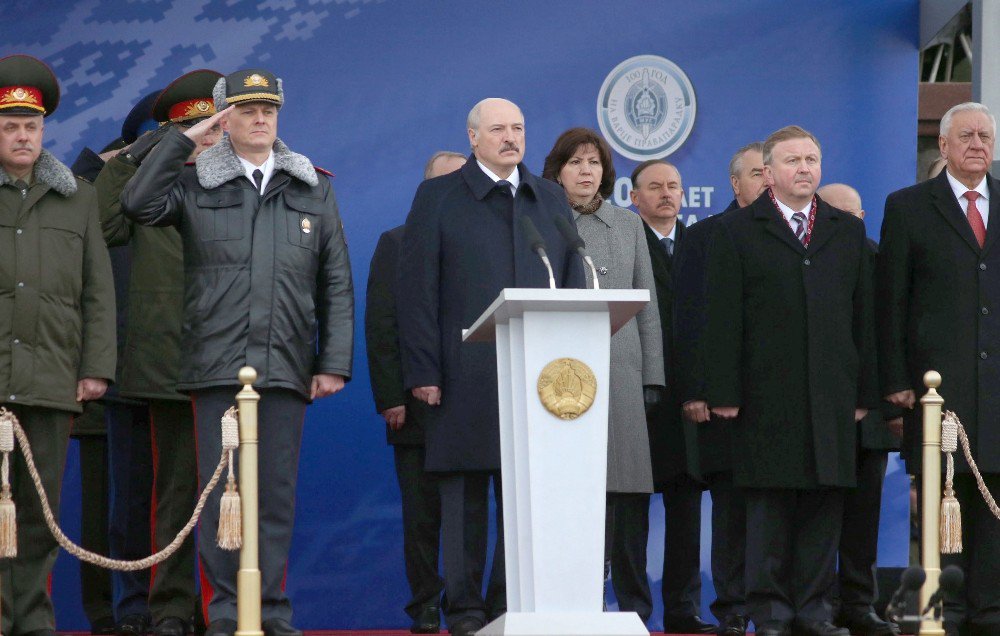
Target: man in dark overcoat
{"type": "Point", "coordinates": [938, 281]}
{"type": "Point", "coordinates": [462, 245]}
{"type": "Point", "coordinates": [856, 590]}
{"type": "Point", "coordinates": [790, 351]}
{"type": "Point", "coordinates": [404, 427]}
{"type": "Point", "coordinates": [657, 193]}
{"type": "Point", "coordinates": [267, 284]}
{"type": "Point", "coordinates": [57, 324]}
{"type": "Point", "coordinates": [713, 453]}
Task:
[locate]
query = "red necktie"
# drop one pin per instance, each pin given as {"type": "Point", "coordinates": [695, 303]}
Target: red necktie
{"type": "Point", "coordinates": [975, 218]}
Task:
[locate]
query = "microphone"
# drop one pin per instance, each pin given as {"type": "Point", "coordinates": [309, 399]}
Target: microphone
{"type": "Point", "coordinates": [576, 244]}
{"type": "Point", "coordinates": [911, 581]}
{"type": "Point", "coordinates": [950, 584]}
{"type": "Point", "coordinates": [537, 245]}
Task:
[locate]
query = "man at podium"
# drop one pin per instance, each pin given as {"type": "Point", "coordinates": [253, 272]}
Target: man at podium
{"type": "Point", "coordinates": [462, 245]}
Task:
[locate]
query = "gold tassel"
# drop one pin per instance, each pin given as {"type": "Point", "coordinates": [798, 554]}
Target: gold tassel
{"type": "Point", "coordinates": [230, 535]}
{"type": "Point", "coordinates": [951, 523]}
{"type": "Point", "coordinates": [8, 525]}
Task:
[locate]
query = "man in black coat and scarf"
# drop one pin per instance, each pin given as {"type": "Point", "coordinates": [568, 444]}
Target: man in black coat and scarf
{"type": "Point", "coordinates": [791, 360]}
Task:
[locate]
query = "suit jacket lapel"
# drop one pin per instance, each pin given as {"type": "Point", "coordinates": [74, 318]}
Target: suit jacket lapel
{"type": "Point", "coordinates": [661, 267]}
{"type": "Point", "coordinates": [993, 224]}
{"type": "Point", "coordinates": [947, 206]}
{"type": "Point", "coordinates": [826, 225]}
{"type": "Point", "coordinates": [775, 223]}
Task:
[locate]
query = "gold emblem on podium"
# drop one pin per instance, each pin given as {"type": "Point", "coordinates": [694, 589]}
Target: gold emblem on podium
{"type": "Point", "coordinates": [567, 388]}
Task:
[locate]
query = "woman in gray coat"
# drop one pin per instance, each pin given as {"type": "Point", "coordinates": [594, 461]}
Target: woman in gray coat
{"type": "Point", "coordinates": [580, 161]}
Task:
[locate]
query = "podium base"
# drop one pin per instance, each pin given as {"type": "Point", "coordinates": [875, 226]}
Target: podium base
{"type": "Point", "coordinates": [566, 624]}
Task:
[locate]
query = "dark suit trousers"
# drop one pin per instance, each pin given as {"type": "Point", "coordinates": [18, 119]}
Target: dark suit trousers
{"type": "Point", "coordinates": [421, 527]}
{"type": "Point", "coordinates": [130, 456]}
{"type": "Point", "coordinates": [792, 540]}
{"type": "Point", "coordinates": [980, 557]}
{"type": "Point", "coordinates": [24, 579]}
{"type": "Point", "coordinates": [729, 541]}
{"type": "Point", "coordinates": [95, 582]}
{"type": "Point", "coordinates": [626, 531]}
{"type": "Point", "coordinates": [859, 539]}
{"type": "Point", "coordinates": [681, 548]}
{"type": "Point", "coordinates": [175, 482]}
{"type": "Point", "coordinates": [464, 537]}
{"type": "Point", "coordinates": [280, 415]}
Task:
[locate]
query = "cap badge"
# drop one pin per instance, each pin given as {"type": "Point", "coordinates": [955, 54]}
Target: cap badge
{"type": "Point", "coordinates": [19, 93]}
{"type": "Point", "coordinates": [306, 226]}
{"type": "Point", "coordinates": [202, 106]}
{"type": "Point", "coordinates": [255, 80]}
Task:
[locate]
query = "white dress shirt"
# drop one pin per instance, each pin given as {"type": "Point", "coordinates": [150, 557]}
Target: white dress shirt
{"type": "Point", "coordinates": [267, 169]}
{"type": "Point", "coordinates": [514, 179]}
{"type": "Point", "coordinates": [982, 203]}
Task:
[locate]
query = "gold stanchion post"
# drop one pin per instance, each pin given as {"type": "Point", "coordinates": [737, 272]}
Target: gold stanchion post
{"type": "Point", "coordinates": [248, 577]}
{"type": "Point", "coordinates": [930, 533]}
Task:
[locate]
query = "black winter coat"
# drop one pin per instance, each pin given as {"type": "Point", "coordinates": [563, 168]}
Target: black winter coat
{"type": "Point", "coordinates": [267, 278]}
{"type": "Point", "coordinates": [462, 245]}
{"type": "Point", "coordinates": [713, 451]}
{"type": "Point", "coordinates": [669, 436]}
{"type": "Point", "coordinates": [385, 365]}
{"type": "Point", "coordinates": [790, 341]}
{"type": "Point", "coordinates": [939, 309]}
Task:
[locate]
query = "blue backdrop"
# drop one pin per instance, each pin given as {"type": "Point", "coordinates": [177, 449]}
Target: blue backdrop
{"type": "Point", "coordinates": [373, 88]}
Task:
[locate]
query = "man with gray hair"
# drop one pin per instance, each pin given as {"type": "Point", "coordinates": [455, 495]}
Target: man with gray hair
{"type": "Point", "coordinates": [463, 245]}
{"type": "Point", "coordinates": [443, 162]}
{"type": "Point", "coordinates": [938, 282]}
{"type": "Point", "coordinates": [267, 284]}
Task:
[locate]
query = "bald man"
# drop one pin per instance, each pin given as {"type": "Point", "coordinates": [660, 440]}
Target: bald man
{"type": "Point", "coordinates": [862, 505]}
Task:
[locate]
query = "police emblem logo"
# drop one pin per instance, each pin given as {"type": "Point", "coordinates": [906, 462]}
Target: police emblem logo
{"type": "Point", "coordinates": [306, 226]}
{"type": "Point", "coordinates": [566, 388]}
{"type": "Point", "coordinates": [646, 107]}
{"type": "Point", "coordinates": [255, 80]}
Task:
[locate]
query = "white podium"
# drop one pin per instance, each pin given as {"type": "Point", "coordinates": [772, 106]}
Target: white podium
{"type": "Point", "coordinates": [554, 470]}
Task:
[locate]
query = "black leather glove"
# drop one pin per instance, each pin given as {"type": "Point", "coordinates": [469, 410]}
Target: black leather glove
{"type": "Point", "coordinates": [652, 395]}
{"type": "Point", "coordinates": [142, 146]}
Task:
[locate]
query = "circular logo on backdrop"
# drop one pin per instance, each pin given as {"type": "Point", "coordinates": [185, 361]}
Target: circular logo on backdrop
{"type": "Point", "coordinates": [646, 107]}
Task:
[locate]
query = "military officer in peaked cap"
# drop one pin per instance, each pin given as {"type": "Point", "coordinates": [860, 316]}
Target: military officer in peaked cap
{"type": "Point", "coordinates": [150, 366]}
{"type": "Point", "coordinates": [57, 329]}
{"type": "Point", "coordinates": [267, 284]}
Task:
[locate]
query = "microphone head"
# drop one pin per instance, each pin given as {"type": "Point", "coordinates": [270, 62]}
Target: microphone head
{"type": "Point", "coordinates": [913, 578]}
{"type": "Point", "coordinates": [951, 580]}
{"type": "Point", "coordinates": [569, 233]}
{"type": "Point", "coordinates": [531, 233]}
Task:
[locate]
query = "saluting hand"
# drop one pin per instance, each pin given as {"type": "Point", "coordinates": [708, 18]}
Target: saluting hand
{"type": "Point", "coordinates": [196, 132]}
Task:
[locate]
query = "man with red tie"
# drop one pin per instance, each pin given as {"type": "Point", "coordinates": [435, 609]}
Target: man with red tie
{"type": "Point", "coordinates": [938, 281]}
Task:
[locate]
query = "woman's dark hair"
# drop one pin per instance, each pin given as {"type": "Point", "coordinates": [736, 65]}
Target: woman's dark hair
{"type": "Point", "coordinates": [566, 146]}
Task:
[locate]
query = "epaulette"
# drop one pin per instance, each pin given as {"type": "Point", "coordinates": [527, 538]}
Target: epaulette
{"type": "Point", "coordinates": [324, 171]}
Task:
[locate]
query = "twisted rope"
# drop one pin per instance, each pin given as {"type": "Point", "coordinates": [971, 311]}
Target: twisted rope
{"type": "Point", "coordinates": [967, 450]}
{"type": "Point", "coordinates": [97, 559]}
